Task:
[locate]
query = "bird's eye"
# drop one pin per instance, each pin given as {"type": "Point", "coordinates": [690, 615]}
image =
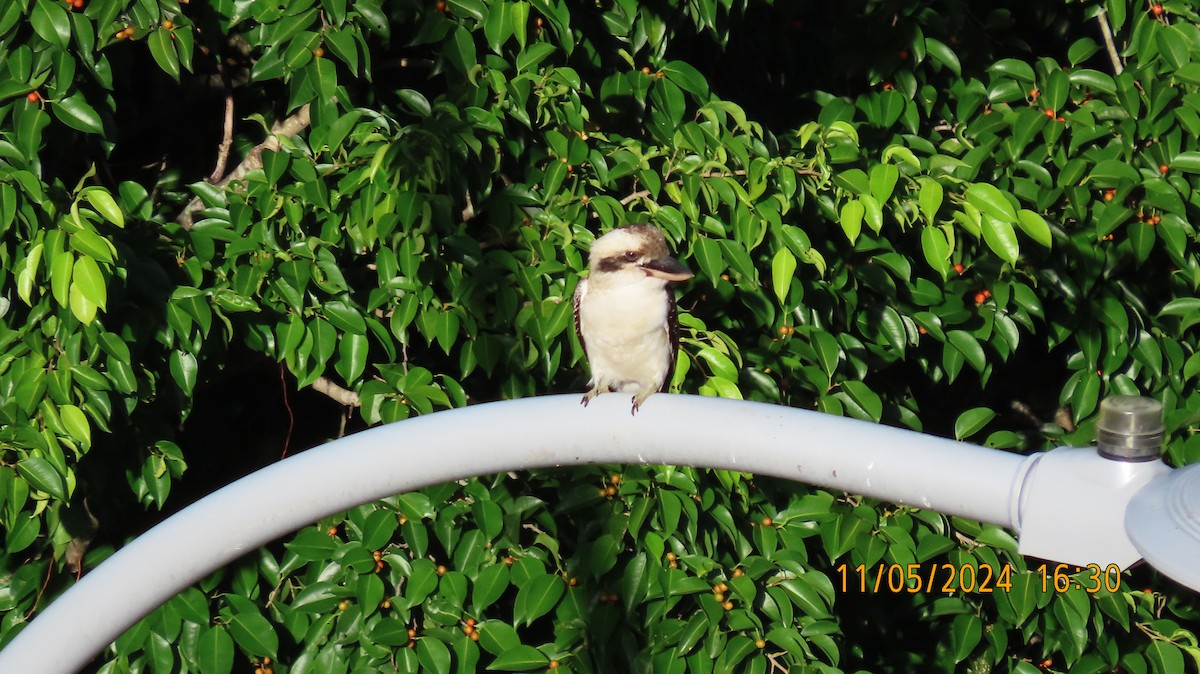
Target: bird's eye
{"type": "Point", "coordinates": [631, 255]}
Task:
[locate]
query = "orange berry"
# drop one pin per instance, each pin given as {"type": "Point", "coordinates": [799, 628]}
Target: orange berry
{"type": "Point", "coordinates": [1163, 168]}
{"type": "Point", "coordinates": [76, 4]}
{"type": "Point", "coordinates": [738, 573]}
{"type": "Point", "coordinates": [759, 643]}
{"type": "Point", "coordinates": [441, 570]}
{"type": "Point", "coordinates": [1109, 195]}
{"type": "Point", "coordinates": [614, 479]}
{"type": "Point", "coordinates": [921, 330]}
{"type": "Point", "coordinates": [958, 268]}
{"type": "Point", "coordinates": [1034, 93]}
{"type": "Point", "coordinates": [1156, 219]}
{"type": "Point", "coordinates": [987, 293]}
{"type": "Point", "coordinates": [554, 664]}
{"type": "Point", "coordinates": [610, 490]}
{"type": "Point", "coordinates": [168, 24]}
{"type": "Point", "coordinates": [728, 606]}
{"type": "Point", "coordinates": [412, 633]}
{"type": "Point", "coordinates": [475, 635]}
{"type": "Point", "coordinates": [441, 6]}
{"type": "Point", "coordinates": [343, 604]}
{"type": "Point", "coordinates": [645, 70]}
{"type": "Point", "coordinates": [767, 521]}
{"type": "Point", "coordinates": [318, 52]}
{"type": "Point", "coordinates": [786, 330]}
{"type": "Point", "coordinates": [979, 299]}
{"type": "Point", "coordinates": [1050, 113]}
{"type": "Point", "coordinates": [33, 97]}
{"type": "Point", "coordinates": [1157, 9]}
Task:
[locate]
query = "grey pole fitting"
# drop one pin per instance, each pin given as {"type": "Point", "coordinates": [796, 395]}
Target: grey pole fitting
{"type": "Point", "coordinates": [1130, 428]}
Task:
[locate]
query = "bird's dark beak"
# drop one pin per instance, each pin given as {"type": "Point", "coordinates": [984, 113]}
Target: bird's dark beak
{"type": "Point", "coordinates": [667, 268]}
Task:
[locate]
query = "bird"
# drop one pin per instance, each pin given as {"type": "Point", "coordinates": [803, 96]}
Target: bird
{"type": "Point", "coordinates": [625, 313]}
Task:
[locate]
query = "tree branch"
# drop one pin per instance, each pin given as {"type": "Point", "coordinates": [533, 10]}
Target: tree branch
{"type": "Point", "coordinates": [1109, 45]}
{"type": "Point", "coordinates": [342, 395]}
{"type": "Point", "coordinates": [285, 129]}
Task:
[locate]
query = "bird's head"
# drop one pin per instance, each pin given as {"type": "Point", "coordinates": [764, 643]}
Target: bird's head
{"type": "Point", "coordinates": [636, 249]}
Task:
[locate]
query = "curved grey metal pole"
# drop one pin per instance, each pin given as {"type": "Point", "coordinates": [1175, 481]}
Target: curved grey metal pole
{"type": "Point", "coordinates": [892, 464]}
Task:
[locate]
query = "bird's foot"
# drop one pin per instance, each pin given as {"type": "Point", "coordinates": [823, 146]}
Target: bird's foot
{"type": "Point", "coordinates": [587, 397]}
{"type": "Point", "coordinates": [639, 399]}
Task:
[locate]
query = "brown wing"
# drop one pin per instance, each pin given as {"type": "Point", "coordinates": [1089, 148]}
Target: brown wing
{"type": "Point", "coordinates": [580, 288]}
{"type": "Point", "coordinates": [673, 337]}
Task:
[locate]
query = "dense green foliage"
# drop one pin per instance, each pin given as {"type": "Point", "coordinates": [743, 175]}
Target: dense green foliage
{"type": "Point", "coordinates": [964, 218]}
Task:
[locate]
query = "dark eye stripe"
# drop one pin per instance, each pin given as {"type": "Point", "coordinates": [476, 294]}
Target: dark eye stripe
{"type": "Point", "coordinates": [614, 263]}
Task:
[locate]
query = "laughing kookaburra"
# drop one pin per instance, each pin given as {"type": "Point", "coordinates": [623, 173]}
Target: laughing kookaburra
{"type": "Point", "coordinates": [625, 313]}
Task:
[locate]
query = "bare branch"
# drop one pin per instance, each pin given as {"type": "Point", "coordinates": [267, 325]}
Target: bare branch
{"type": "Point", "coordinates": [629, 199]}
{"type": "Point", "coordinates": [285, 129]}
{"type": "Point", "coordinates": [1109, 45]}
{"type": "Point", "coordinates": [226, 140]}
{"type": "Point", "coordinates": [342, 395]}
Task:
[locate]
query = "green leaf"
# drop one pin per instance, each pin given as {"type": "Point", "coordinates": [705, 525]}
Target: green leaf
{"type": "Point", "coordinates": [1172, 45]}
{"type": "Point", "coordinates": [41, 475]}
{"type": "Point", "coordinates": [851, 219]}
{"type": "Point", "coordinates": [936, 249]}
{"type": "Point", "coordinates": [415, 101]}
{"type": "Point", "coordinates": [214, 651]}
{"type": "Point", "coordinates": [51, 22]}
{"type": "Point", "coordinates": [105, 204]}
{"type": "Point", "coordinates": [162, 48]}
{"type": "Point", "coordinates": [1013, 68]}
{"type": "Point", "coordinates": [352, 352]}
{"type": "Point", "coordinates": [972, 421]}
{"type": "Point", "coordinates": [519, 659]}
{"type": "Point", "coordinates": [76, 423]}
{"type": "Point", "coordinates": [944, 55]}
{"type": "Point", "coordinates": [867, 403]}
{"type": "Point", "coordinates": [783, 271]}
{"type": "Point", "coordinates": [184, 368]}
{"type": "Point", "coordinates": [1001, 238]}
{"type": "Point", "coordinates": [88, 278]}
{"type": "Point", "coordinates": [75, 111]}
{"type": "Point", "coordinates": [1034, 226]}
{"type": "Point", "coordinates": [719, 364]}
{"type": "Point", "coordinates": [707, 254]}
{"type": "Point", "coordinates": [1188, 162]}
{"type": "Point", "coordinates": [254, 634]}
{"type": "Point", "coordinates": [930, 198]}
{"type": "Point", "coordinates": [433, 656]}
{"type": "Point", "coordinates": [537, 598]}
{"type": "Point", "coordinates": [965, 633]}
{"type": "Point", "coordinates": [966, 344]}
{"type": "Point", "coordinates": [686, 77]}
{"type": "Point", "coordinates": [883, 178]}
{"type": "Point", "coordinates": [535, 54]}
{"type": "Point", "coordinates": [991, 201]}
{"type": "Point", "coordinates": [489, 586]}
